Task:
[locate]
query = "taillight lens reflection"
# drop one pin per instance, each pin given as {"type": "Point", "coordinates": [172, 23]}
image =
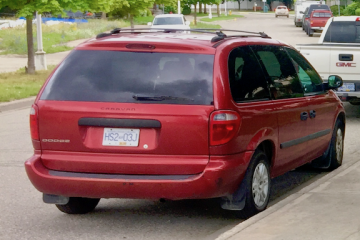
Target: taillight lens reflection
{"type": "Point", "coordinates": [34, 126]}
{"type": "Point", "coordinates": [224, 125]}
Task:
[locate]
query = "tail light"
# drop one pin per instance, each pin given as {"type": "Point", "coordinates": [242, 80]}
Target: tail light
{"type": "Point", "coordinates": [358, 19]}
{"type": "Point", "coordinates": [34, 123]}
{"type": "Point", "coordinates": [311, 23]}
{"type": "Point", "coordinates": [224, 125]}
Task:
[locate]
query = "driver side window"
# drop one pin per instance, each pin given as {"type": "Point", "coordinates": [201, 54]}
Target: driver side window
{"type": "Point", "coordinates": [280, 72]}
{"type": "Point", "coordinates": [309, 78]}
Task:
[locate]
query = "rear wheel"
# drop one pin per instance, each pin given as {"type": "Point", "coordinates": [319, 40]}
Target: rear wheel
{"type": "Point", "coordinates": [257, 190]}
{"type": "Point", "coordinates": [78, 205]}
{"type": "Point", "coordinates": [310, 33]}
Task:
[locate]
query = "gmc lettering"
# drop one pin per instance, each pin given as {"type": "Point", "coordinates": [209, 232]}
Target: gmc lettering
{"type": "Point", "coordinates": [342, 64]}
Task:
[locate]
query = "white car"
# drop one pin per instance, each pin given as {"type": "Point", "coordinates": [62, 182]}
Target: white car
{"type": "Point", "coordinates": [170, 21]}
{"type": "Point", "coordinates": [281, 11]}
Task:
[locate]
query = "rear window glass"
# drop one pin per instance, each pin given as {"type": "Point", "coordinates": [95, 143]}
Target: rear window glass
{"type": "Point", "coordinates": [281, 7]}
{"type": "Point", "coordinates": [315, 7]}
{"type": "Point", "coordinates": [322, 14]}
{"type": "Point", "coordinates": [343, 32]}
{"type": "Point", "coordinates": [168, 21]}
{"type": "Point", "coordinates": [132, 77]}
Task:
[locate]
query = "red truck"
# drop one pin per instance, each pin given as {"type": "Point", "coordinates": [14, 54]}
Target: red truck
{"type": "Point", "coordinates": [317, 21]}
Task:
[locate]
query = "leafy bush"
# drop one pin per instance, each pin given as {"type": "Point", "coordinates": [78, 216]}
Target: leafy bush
{"type": "Point", "coordinates": [357, 12]}
{"type": "Point", "coordinates": [186, 10]}
{"type": "Point", "coordinates": [351, 8]}
{"type": "Point", "coordinates": [335, 10]}
{"type": "Point", "coordinates": [169, 9]}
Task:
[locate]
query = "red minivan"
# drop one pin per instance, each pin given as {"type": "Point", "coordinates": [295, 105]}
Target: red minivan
{"type": "Point", "coordinates": [138, 114]}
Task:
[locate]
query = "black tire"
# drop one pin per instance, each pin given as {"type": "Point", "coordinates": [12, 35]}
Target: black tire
{"type": "Point", "coordinates": [253, 205]}
{"type": "Point", "coordinates": [335, 155]}
{"type": "Point", "coordinates": [77, 205]}
{"type": "Point", "coordinates": [309, 33]}
{"type": "Point", "coordinates": [355, 103]}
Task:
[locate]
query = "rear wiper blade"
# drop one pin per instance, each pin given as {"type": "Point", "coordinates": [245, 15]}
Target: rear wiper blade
{"type": "Point", "coordinates": [160, 98]}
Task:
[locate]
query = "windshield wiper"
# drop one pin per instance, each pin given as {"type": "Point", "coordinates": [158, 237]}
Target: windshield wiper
{"type": "Point", "coordinates": [160, 98]}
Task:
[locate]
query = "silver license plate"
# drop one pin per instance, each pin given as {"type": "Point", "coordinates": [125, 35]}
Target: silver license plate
{"type": "Point", "coordinates": [347, 87]}
{"type": "Point", "coordinates": [124, 137]}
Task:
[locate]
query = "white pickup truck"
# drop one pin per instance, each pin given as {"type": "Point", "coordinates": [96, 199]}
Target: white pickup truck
{"type": "Point", "coordinates": [338, 53]}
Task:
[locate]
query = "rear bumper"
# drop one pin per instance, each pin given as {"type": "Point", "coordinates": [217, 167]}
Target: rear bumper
{"type": "Point", "coordinates": [221, 176]}
{"type": "Point", "coordinates": [317, 29]}
{"type": "Point", "coordinates": [346, 96]}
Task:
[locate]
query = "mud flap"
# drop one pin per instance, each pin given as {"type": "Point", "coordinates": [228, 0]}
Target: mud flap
{"type": "Point", "coordinates": [55, 199]}
{"type": "Point", "coordinates": [235, 201]}
{"type": "Point", "coordinates": [322, 162]}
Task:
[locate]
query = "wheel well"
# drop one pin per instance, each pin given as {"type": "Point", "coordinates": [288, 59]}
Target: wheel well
{"type": "Point", "coordinates": [341, 117]}
{"type": "Point", "coordinates": [268, 148]}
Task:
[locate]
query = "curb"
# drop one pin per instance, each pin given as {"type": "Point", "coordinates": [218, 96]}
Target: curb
{"type": "Point", "coordinates": [293, 199]}
{"type": "Point", "coordinates": [17, 104]}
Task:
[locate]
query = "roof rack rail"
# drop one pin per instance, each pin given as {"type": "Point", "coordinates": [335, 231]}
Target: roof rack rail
{"type": "Point", "coordinates": [220, 35]}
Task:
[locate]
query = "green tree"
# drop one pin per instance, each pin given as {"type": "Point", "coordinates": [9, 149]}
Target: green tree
{"type": "Point", "coordinates": [131, 8]}
{"type": "Point", "coordinates": [189, 3]}
{"type": "Point", "coordinates": [28, 8]}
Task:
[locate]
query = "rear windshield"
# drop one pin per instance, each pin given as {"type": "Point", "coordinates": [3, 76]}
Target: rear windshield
{"type": "Point", "coordinates": [133, 77]}
{"type": "Point", "coordinates": [322, 14]}
{"type": "Point", "coordinates": [281, 7]}
{"type": "Point", "coordinates": [343, 32]}
{"type": "Point", "coordinates": [315, 7]}
{"type": "Point", "coordinates": [168, 21]}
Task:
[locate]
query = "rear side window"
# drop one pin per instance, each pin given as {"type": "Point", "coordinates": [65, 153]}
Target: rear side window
{"type": "Point", "coordinates": [343, 32]}
{"type": "Point", "coordinates": [131, 77]}
{"type": "Point", "coordinates": [247, 81]}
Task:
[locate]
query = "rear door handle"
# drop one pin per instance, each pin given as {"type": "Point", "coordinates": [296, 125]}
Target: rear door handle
{"type": "Point", "coordinates": [346, 57]}
{"type": "Point", "coordinates": [304, 116]}
{"type": "Point", "coordinates": [312, 114]}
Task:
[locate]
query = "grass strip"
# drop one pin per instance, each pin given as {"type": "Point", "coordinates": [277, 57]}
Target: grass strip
{"type": "Point", "coordinates": [204, 25]}
{"type": "Point", "coordinates": [19, 85]}
{"type": "Point", "coordinates": [221, 18]}
{"type": "Point", "coordinates": [55, 37]}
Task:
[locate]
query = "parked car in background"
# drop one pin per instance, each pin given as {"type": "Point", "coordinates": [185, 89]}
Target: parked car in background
{"type": "Point", "coordinates": [338, 53]}
{"type": "Point", "coordinates": [169, 21]}
{"type": "Point", "coordinates": [300, 6]}
{"type": "Point", "coordinates": [281, 11]}
{"type": "Point", "coordinates": [180, 116]}
{"type": "Point", "coordinates": [309, 10]}
{"type": "Point", "coordinates": [317, 21]}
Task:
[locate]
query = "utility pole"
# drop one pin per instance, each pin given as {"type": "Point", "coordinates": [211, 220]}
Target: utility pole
{"type": "Point", "coordinates": [225, 9]}
{"type": "Point", "coordinates": [40, 58]}
{"type": "Point", "coordinates": [179, 10]}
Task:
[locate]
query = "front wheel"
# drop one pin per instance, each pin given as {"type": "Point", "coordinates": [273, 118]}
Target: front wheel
{"type": "Point", "coordinates": [78, 205]}
{"type": "Point", "coordinates": [257, 179]}
{"type": "Point", "coordinates": [335, 156]}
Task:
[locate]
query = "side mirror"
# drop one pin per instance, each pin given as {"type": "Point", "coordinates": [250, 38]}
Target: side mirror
{"type": "Point", "coordinates": [149, 23]}
{"type": "Point", "coordinates": [334, 82]}
{"type": "Point", "coordinates": [187, 23]}
{"type": "Point", "coordinates": [301, 12]}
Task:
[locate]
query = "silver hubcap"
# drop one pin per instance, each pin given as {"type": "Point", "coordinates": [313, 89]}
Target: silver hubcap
{"type": "Point", "coordinates": [339, 144]}
{"type": "Point", "coordinates": [260, 185]}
